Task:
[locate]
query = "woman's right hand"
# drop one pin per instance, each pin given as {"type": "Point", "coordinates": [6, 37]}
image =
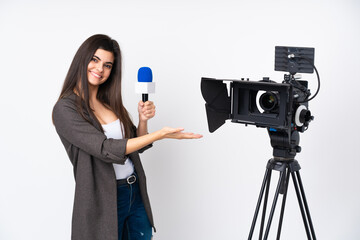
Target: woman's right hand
{"type": "Point", "coordinates": [177, 133]}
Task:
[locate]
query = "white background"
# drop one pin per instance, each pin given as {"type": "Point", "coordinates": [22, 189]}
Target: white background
{"type": "Point", "coordinates": [201, 189]}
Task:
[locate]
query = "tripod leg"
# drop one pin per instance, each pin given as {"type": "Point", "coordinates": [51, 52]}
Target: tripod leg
{"type": "Point", "coordinates": [283, 204]}
{"type": "Point", "coordinates": [264, 206]}
{"type": "Point", "coordinates": [282, 175]}
{"type": "Point", "coordinates": [301, 205]}
{"type": "Point", "coordinates": [267, 177]}
{"type": "Point", "coordinates": [306, 205]}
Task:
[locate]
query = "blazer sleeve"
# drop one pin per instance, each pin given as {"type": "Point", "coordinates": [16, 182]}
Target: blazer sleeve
{"type": "Point", "coordinates": [77, 131]}
{"type": "Point", "coordinates": [141, 150]}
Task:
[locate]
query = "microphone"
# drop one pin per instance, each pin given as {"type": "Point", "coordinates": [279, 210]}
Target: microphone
{"type": "Point", "coordinates": [145, 85]}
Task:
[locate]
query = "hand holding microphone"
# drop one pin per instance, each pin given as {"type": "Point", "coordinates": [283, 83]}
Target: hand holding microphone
{"type": "Point", "coordinates": [146, 109]}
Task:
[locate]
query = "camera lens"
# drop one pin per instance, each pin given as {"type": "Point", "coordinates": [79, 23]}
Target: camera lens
{"type": "Point", "coordinates": [269, 101]}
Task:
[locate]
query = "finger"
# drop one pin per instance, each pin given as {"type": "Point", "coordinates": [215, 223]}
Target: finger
{"type": "Point", "coordinates": [151, 114]}
{"type": "Point", "coordinates": [196, 136]}
{"type": "Point", "coordinates": [149, 103]}
{"type": "Point", "coordinates": [148, 112]}
{"type": "Point", "coordinates": [149, 107]}
{"type": "Point", "coordinates": [188, 135]}
{"type": "Point", "coordinates": [177, 130]}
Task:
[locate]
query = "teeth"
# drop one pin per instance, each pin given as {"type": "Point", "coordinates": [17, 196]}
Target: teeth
{"type": "Point", "coordinates": [96, 75]}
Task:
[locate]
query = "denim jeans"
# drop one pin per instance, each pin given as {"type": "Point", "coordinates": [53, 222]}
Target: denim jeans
{"type": "Point", "coordinates": [133, 222]}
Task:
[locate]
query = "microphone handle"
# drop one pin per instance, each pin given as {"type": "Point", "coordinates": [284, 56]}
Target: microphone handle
{"type": "Point", "coordinates": [145, 97]}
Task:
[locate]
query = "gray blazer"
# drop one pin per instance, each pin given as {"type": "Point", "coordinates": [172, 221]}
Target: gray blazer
{"type": "Point", "coordinates": [92, 154]}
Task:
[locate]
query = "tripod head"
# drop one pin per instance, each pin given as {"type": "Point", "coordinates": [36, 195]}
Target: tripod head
{"type": "Point", "coordinates": [285, 144]}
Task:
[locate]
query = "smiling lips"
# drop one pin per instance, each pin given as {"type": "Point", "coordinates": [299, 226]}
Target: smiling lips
{"type": "Point", "coordinates": [96, 75]}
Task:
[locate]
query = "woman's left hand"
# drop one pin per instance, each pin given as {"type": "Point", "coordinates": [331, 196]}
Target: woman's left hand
{"type": "Point", "coordinates": [146, 110]}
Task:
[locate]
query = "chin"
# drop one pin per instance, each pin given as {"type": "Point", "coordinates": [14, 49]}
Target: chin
{"type": "Point", "coordinates": [94, 82]}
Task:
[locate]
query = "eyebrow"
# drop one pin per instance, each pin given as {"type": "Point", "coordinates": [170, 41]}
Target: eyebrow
{"type": "Point", "coordinates": [100, 60]}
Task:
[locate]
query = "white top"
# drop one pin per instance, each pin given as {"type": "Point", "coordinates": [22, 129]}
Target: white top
{"type": "Point", "coordinates": [114, 130]}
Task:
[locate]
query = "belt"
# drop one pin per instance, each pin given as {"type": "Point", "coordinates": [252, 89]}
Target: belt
{"type": "Point", "coordinates": [129, 180]}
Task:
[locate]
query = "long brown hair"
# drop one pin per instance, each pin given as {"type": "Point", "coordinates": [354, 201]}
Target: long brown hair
{"type": "Point", "coordinates": [109, 93]}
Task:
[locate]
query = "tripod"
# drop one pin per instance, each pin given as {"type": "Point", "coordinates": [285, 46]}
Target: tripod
{"type": "Point", "coordinates": [286, 168]}
{"type": "Point", "coordinates": [285, 146]}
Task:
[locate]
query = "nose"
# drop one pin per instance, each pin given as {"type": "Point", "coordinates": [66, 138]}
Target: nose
{"type": "Point", "coordinates": [100, 67]}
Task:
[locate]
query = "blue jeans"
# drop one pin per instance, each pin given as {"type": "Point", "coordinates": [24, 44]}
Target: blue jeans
{"type": "Point", "coordinates": [133, 222]}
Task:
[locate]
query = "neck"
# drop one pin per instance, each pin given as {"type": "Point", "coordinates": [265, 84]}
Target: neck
{"type": "Point", "coordinates": [92, 93]}
{"type": "Point", "coordinates": [93, 90]}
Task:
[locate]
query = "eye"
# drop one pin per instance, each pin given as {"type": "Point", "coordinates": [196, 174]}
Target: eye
{"type": "Point", "coordinates": [95, 60]}
{"type": "Point", "coordinates": [108, 66]}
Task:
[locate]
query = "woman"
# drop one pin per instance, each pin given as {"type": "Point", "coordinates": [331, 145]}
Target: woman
{"type": "Point", "coordinates": [103, 145]}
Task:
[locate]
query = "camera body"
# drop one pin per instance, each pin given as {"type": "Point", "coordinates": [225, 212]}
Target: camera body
{"type": "Point", "coordinates": [266, 103]}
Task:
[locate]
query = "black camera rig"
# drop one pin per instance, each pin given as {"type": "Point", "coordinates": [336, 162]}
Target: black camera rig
{"type": "Point", "coordinates": [282, 108]}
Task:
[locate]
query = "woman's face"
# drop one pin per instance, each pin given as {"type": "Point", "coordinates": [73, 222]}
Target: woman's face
{"type": "Point", "coordinates": [100, 66]}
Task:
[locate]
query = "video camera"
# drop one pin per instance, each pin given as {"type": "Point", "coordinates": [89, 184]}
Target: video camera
{"type": "Point", "coordinates": [282, 108]}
